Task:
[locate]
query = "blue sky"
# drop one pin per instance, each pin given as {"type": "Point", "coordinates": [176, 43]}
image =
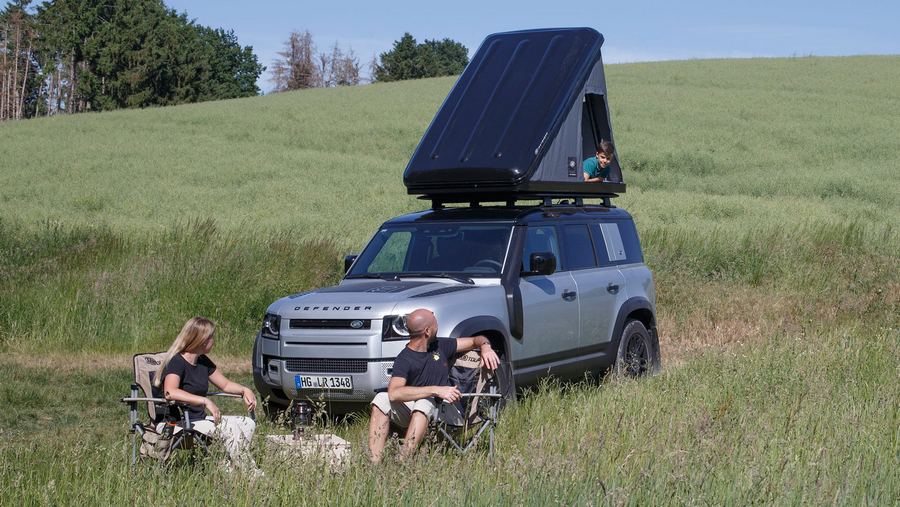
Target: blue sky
{"type": "Point", "coordinates": [634, 30]}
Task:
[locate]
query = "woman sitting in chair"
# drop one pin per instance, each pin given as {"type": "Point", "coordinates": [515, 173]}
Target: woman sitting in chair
{"type": "Point", "coordinates": [185, 374]}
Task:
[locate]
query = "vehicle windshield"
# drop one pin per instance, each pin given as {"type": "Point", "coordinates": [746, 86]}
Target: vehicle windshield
{"type": "Point", "coordinates": [458, 251]}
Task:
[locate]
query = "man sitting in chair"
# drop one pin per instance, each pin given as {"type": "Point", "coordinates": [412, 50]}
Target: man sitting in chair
{"type": "Point", "coordinates": [421, 373]}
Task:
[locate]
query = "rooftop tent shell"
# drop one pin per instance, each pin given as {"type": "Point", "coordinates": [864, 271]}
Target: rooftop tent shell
{"type": "Point", "coordinates": [524, 114]}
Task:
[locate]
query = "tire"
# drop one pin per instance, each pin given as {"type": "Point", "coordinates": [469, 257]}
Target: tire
{"type": "Point", "coordinates": [506, 384]}
{"type": "Point", "coordinates": [638, 353]}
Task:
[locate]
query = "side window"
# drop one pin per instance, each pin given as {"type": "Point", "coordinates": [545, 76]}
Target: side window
{"type": "Point", "coordinates": [617, 243]}
{"type": "Point", "coordinates": [391, 257]}
{"type": "Point", "coordinates": [578, 248]}
{"type": "Point", "coordinates": [600, 245]}
{"type": "Point", "coordinates": [631, 242]}
{"type": "Point", "coordinates": [540, 239]}
{"type": "Point", "coordinates": [615, 250]}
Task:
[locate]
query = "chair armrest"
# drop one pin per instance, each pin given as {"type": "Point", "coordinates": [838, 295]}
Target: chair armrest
{"type": "Point", "coordinates": [132, 399]}
{"type": "Point", "coordinates": [225, 395]}
{"type": "Point", "coordinates": [480, 395]}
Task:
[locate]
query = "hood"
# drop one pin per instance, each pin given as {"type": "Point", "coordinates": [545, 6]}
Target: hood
{"type": "Point", "coordinates": [362, 298]}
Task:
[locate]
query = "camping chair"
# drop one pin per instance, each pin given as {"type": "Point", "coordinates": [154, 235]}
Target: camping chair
{"type": "Point", "coordinates": [464, 422]}
{"type": "Point", "coordinates": [153, 443]}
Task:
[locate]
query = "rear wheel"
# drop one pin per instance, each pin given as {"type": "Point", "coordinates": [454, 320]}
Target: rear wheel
{"type": "Point", "coordinates": [638, 355]}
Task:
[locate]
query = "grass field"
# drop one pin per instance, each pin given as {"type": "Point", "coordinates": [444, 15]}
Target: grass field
{"type": "Point", "coordinates": [766, 196]}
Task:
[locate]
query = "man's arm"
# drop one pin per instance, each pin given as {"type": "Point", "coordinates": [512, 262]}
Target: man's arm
{"type": "Point", "coordinates": [399, 391]}
{"type": "Point", "coordinates": [488, 357]}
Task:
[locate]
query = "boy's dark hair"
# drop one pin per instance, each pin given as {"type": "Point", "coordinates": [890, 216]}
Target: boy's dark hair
{"type": "Point", "coordinates": [606, 148]}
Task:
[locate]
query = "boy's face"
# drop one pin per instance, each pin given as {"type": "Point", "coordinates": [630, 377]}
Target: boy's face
{"type": "Point", "coordinates": [603, 158]}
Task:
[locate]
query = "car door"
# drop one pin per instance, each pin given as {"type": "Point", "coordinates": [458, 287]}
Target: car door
{"type": "Point", "coordinates": [601, 288]}
{"type": "Point", "coordinates": [550, 310]}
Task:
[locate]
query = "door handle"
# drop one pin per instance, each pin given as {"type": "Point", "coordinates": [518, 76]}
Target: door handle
{"type": "Point", "coordinates": [612, 288]}
{"type": "Point", "coordinates": [569, 295]}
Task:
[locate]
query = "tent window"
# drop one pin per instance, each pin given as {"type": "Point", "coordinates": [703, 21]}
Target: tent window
{"type": "Point", "coordinates": [594, 128]}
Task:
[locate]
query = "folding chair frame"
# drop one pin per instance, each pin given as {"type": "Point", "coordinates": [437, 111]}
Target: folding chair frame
{"type": "Point", "coordinates": [486, 424]}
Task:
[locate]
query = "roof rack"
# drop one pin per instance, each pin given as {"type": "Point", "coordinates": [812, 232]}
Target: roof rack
{"type": "Point", "coordinates": [510, 200]}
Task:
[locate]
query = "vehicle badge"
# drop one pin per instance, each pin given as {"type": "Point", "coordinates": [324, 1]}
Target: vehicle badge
{"type": "Point", "coordinates": [356, 324]}
{"type": "Point", "coordinates": [436, 356]}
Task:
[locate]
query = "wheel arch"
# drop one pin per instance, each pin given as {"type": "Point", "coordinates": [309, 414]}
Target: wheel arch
{"type": "Point", "coordinates": [489, 326]}
{"type": "Point", "coordinates": [636, 308]}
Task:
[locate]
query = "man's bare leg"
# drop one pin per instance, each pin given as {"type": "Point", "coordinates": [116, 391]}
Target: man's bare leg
{"type": "Point", "coordinates": [418, 425]}
{"type": "Point", "coordinates": [379, 425]}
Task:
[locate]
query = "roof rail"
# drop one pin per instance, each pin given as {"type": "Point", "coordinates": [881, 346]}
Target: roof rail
{"type": "Point", "coordinates": [510, 200]}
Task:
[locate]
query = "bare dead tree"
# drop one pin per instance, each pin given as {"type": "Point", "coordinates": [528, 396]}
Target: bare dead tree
{"type": "Point", "coordinates": [348, 70]}
{"type": "Point", "coordinates": [324, 70]}
{"type": "Point", "coordinates": [296, 67]}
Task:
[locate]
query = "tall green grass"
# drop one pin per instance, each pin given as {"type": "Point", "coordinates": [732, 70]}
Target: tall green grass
{"type": "Point", "coordinates": [79, 289]}
{"type": "Point", "coordinates": [793, 420]}
{"type": "Point", "coordinates": [92, 290]}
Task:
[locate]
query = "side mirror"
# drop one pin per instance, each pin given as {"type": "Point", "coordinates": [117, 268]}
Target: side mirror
{"type": "Point", "coordinates": [348, 261]}
{"type": "Point", "coordinates": [542, 263]}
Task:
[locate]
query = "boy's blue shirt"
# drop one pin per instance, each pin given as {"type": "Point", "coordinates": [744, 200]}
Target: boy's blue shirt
{"type": "Point", "coordinates": [591, 166]}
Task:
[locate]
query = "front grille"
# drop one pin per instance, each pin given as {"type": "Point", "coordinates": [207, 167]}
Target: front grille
{"type": "Point", "coordinates": [327, 365]}
{"type": "Point", "coordinates": [331, 324]}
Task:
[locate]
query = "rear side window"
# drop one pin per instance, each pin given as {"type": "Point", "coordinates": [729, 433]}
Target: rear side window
{"type": "Point", "coordinates": [578, 249]}
{"type": "Point", "coordinates": [631, 242]}
{"type": "Point", "coordinates": [616, 243]}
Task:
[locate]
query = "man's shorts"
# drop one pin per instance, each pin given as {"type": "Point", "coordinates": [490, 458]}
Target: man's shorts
{"type": "Point", "coordinates": [400, 412]}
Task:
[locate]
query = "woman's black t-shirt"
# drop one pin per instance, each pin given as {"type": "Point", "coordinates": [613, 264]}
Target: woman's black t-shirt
{"type": "Point", "coordinates": [193, 378]}
{"type": "Point", "coordinates": [429, 368]}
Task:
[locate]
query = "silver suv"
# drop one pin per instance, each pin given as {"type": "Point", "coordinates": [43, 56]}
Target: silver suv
{"type": "Point", "coordinates": [559, 290]}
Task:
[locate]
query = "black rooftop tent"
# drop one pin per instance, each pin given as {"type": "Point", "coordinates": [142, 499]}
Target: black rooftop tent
{"type": "Point", "coordinates": [524, 114]}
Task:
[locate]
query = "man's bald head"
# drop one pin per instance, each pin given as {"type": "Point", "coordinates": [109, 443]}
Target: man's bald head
{"type": "Point", "coordinates": [421, 322]}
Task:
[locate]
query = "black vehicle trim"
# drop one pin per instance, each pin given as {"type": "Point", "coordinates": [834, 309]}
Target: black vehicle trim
{"type": "Point", "coordinates": [480, 324]}
{"type": "Point", "coordinates": [629, 306]}
{"type": "Point", "coordinates": [558, 357]}
{"type": "Point", "coordinates": [510, 282]}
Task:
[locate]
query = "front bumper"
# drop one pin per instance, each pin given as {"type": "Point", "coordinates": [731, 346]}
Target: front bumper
{"type": "Point", "coordinates": [361, 356]}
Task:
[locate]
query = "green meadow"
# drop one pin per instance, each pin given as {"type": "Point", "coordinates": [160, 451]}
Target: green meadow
{"type": "Point", "coordinates": [765, 192]}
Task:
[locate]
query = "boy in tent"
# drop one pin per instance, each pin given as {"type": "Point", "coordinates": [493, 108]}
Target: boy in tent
{"type": "Point", "coordinates": [596, 169]}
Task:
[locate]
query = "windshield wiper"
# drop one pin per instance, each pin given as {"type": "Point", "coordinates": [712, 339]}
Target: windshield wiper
{"type": "Point", "coordinates": [385, 277]}
{"type": "Point", "coordinates": [458, 278]}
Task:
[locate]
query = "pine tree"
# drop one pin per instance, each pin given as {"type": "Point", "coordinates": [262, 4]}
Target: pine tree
{"type": "Point", "coordinates": [410, 60]}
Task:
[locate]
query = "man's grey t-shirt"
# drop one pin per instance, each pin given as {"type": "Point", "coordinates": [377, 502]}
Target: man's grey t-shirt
{"type": "Point", "coordinates": [429, 368]}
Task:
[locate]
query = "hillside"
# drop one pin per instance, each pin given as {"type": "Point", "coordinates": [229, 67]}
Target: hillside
{"type": "Point", "coordinates": [720, 142]}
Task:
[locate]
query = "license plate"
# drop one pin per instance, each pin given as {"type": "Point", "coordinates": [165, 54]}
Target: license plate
{"type": "Point", "coordinates": [320, 382]}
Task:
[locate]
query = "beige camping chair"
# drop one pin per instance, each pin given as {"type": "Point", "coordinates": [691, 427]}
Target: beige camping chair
{"type": "Point", "coordinates": [176, 432]}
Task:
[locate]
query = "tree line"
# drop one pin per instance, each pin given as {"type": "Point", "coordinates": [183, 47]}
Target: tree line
{"type": "Point", "coordinates": [301, 65]}
{"type": "Point", "coordinates": [69, 56]}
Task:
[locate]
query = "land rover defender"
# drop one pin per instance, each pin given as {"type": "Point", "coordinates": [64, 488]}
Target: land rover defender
{"type": "Point", "coordinates": [559, 286]}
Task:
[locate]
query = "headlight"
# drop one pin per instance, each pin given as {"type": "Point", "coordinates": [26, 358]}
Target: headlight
{"type": "Point", "coordinates": [394, 328]}
{"type": "Point", "coordinates": [271, 326]}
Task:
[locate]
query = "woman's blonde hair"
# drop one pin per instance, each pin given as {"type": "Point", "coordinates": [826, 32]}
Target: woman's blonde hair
{"type": "Point", "coordinates": [192, 336]}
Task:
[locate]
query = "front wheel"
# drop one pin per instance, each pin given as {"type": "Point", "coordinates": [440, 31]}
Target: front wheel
{"type": "Point", "coordinates": [506, 384]}
{"type": "Point", "coordinates": [638, 354]}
